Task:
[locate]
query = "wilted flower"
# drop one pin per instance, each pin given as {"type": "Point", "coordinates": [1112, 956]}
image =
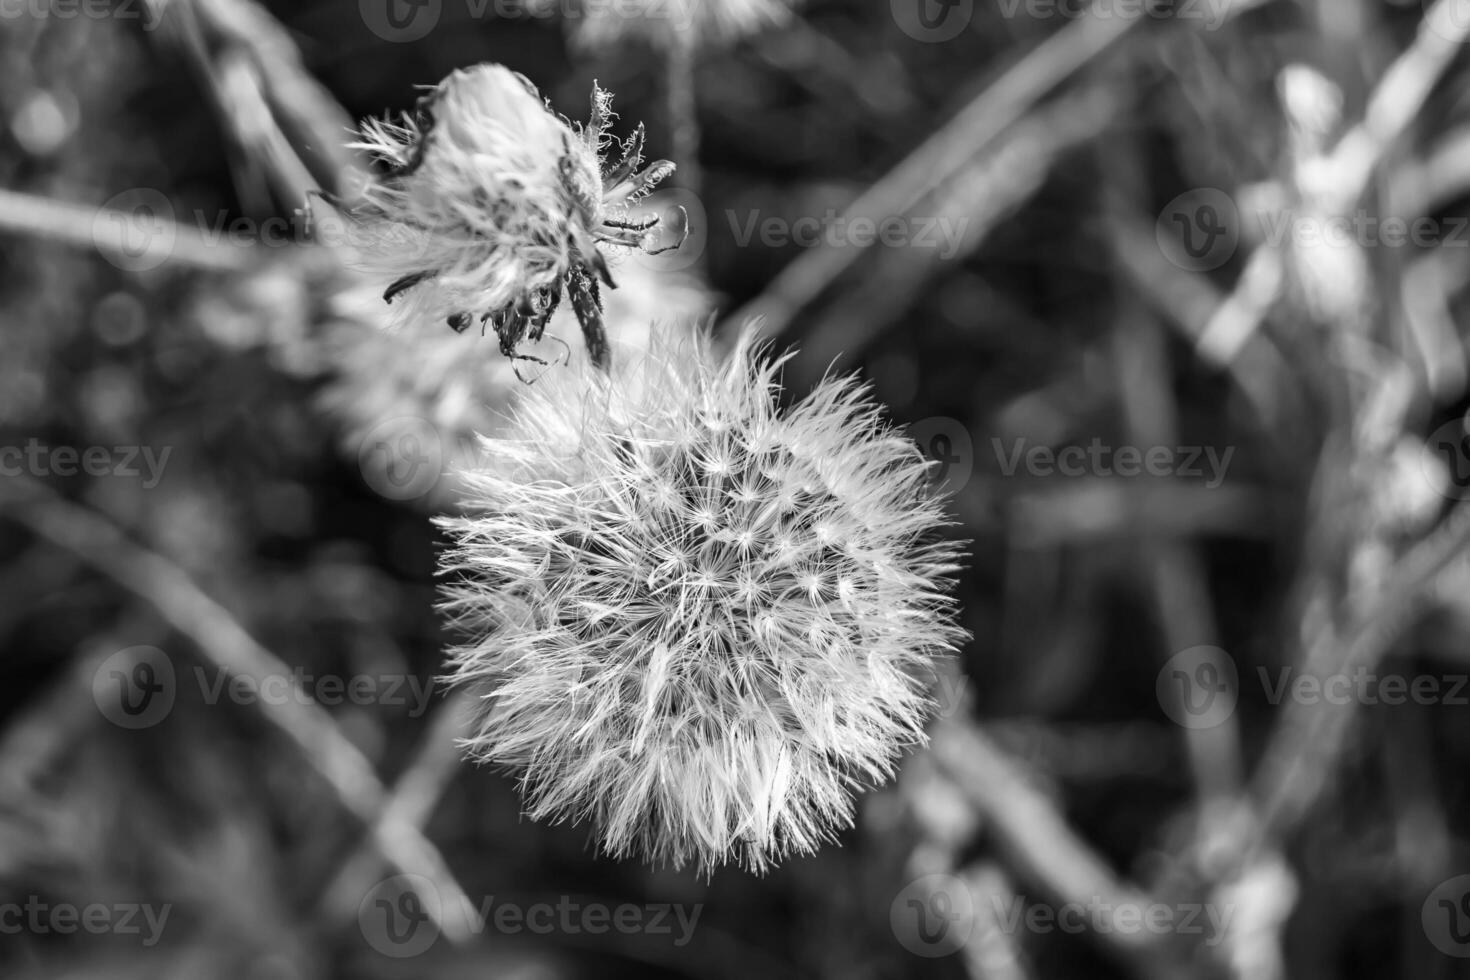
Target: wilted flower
{"type": "Point", "coordinates": [697, 620]}
{"type": "Point", "coordinates": [492, 205]}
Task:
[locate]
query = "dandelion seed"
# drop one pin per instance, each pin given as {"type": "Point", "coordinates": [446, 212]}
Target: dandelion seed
{"type": "Point", "coordinates": [493, 206]}
{"type": "Point", "coordinates": [742, 688]}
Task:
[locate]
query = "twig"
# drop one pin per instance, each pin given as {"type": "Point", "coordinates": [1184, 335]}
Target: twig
{"type": "Point", "coordinates": [1304, 748]}
{"type": "Point", "coordinates": [1189, 302]}
{"type": "Point", "coordinates": [1399, 97]}
{"type": "Point", "coordinates": [683, 107]}
{"type": "Point", "coordinates": [1037, 837]}
{"type": "Point", "coordinates": [992, 952]}
{"type": "Point", "coordinates": [273, 106]}
{"type": "Point", "coordinates": [107, 230]}
{"type": "Point", "coordinates": [414, 798]}
{"type": "Point", "coordinates": [990, 188]}
{"type": "Point", "coordinates": [1175, 576]}
{"type": "Point", "coordinates": [1346, 171]}
{"type": "Point", "coordinates": [945, 153]}
{"type": "Point", "coordinates": [221, 639]}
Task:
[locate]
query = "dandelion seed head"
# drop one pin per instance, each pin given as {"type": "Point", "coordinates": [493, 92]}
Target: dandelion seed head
{"type": "Point", "coordinates": [745, 673]}
{"type": "Point", "coordinates": [492, 204]}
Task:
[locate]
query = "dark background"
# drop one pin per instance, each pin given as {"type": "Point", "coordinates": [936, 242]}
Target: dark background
{"type": "Point", "coordinates": [1065, 143]}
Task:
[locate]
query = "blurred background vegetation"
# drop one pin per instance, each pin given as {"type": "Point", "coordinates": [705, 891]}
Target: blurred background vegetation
{"type": "Point", "coordinates": [1074, 149]}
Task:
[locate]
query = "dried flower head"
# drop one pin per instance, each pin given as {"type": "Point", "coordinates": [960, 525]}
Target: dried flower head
{"type": "Point", "coordinates": [696, 620]}
{"type": "Point", "coordinates": [492, 205]}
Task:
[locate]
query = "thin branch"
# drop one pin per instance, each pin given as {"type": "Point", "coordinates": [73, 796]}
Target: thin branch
{"type": "Point", "coordinates": [108, 231]}
{"type": "Point", "coordinates": [414, 798]}
{"type": "Point", "coordinates": [221, 639]}
{"type": "Point", "coordinates": [938, 159]}
{"type": "Point", "coordinates": [1040, 843]}
{"type": "Point", "coordinates": [1308, 739]}
{"type": "Point", "coordinates": [990, 188]}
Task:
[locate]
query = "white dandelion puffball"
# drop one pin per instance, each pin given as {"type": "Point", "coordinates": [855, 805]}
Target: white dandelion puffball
{"type": "Point", "coordinates": [493, 206]}
{"type": "Point", "coordinates": [694, 619]}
